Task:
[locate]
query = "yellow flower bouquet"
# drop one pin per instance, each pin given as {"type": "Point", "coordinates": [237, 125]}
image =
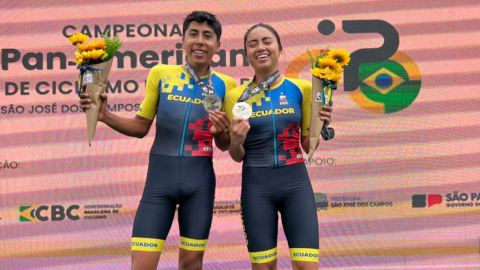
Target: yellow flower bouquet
{"type": "Point", "coordinates": [95, 61]}
{"type": "Point", "coordinates": [326, 69]}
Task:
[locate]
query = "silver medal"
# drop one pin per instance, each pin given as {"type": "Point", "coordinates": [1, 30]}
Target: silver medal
{"type": "Point", "coordinates": [212, 103]}
{"type": "Point", "coordinates": [242, 110]}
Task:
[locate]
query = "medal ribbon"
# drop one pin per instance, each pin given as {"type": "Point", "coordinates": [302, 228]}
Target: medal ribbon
{"type": "Point", "coordinates": [208, 89]}
{"type": "Point", "coordinates": [249, 92]}
{"type": "Point", "coordinates": [328, 86]}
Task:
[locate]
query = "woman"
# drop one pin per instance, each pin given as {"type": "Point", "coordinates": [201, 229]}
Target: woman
{"type": "Point", "coordinates": [274, 176]}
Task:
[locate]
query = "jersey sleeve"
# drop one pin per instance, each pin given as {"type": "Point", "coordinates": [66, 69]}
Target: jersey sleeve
{"type": "Point", "coordinates": [149, 106]}
{"type": "Point", "coordinates": [231, 98]}
{"type": "Point", "coordinates": [228, 104]}
{"type": "Point", "coordinates": [229, 81]}
{"type": "Point", "coordinates": [229, 84]}
{"type": "Point", "coordinates": [306, 107]}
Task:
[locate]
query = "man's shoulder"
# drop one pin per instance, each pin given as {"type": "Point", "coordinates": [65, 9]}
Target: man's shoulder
{"type": "Point", "coordinates": [224, 77]}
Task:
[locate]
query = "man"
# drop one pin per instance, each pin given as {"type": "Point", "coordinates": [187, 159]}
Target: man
{"type": "Point", "coordinates": [180, 168]}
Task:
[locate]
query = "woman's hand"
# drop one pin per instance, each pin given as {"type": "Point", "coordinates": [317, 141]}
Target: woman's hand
{"type": "Point", "coordinates": [238, 133]}
{"type": "Point", "coordinates": [326, 114]}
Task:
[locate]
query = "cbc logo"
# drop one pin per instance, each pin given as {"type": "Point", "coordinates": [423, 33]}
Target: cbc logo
{"type": "Point", "coordinates": [45, 213]}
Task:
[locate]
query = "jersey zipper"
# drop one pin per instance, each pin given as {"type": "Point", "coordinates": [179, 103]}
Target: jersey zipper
{"type": "Point", "coordinates": [275, 158]}
{"type": "Point", "coordinates": [185, 122]}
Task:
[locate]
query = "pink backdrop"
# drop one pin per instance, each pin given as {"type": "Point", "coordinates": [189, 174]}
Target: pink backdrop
{"type": "Point", "coordinates": [398, 188]}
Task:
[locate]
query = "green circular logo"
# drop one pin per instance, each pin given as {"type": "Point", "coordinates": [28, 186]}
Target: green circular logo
{"type": "Point", "coordinates": [389, 86]}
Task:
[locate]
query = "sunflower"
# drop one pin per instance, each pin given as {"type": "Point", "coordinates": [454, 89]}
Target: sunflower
{"type": "Point", "coordinates": [320, 72]}
{"type": "Point", "coordinates": [88, 47]}
{"type": "Point", "coordinates": [85, 55]}
{"type": "Point", "coordinates": [337, 68]}
{"type": "Point", "coordinates": [333, 76]}
{"type": "Point", "coordinates": [342, 56]}
{"type": "Point", "coordinates": [96, 54]}
{"type": "Point", "coordinates": [78, 61]}
{"type": "Point", "coordinates": [78, 38]}
{"type": "Point", "coordinates": [80, 58]}
{"type": "Point", "coordinates": [99, 44]}
{"type": "Point", "coordinates": [326, 62]}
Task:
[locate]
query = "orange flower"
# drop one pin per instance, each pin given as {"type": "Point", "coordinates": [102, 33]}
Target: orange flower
{"type": "Point", "coordinates": [100, 44]}
{"type": "Point", "coordinates": [85, 48]}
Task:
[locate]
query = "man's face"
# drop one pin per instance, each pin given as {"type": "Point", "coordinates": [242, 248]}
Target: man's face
{"type": "Point", "coordinates": [200, 44]}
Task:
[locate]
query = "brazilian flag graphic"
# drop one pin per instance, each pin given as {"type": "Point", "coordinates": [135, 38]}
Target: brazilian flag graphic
{"type": "Point", "coordinates": [389, 86]}
{"type": "Point", "coordinates": [27, 213]}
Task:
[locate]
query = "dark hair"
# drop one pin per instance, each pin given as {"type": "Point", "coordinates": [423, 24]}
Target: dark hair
{"type": "Point", "coordinates": [266, 26]}
{"type": "Point", "coordinates": [203, 16]}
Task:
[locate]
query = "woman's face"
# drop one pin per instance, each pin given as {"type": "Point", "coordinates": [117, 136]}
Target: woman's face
{"type": "Point", "coordinates": [263, 50]}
